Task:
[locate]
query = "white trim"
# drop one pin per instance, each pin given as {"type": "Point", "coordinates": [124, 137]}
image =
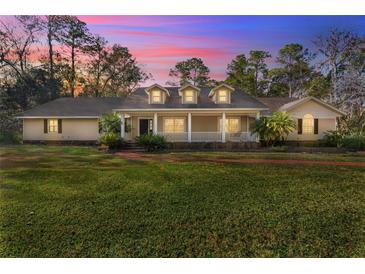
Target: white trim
{"type": "Point", "coordinates": [173, 117]}
{"type": "Point", "coordinates": [294, 104]}
{"type": "Point", "coordinates": [156, 86]}
{"type": "Point", "coordinates": [223, 127]}
{"type": "Point", "coordinates": [188, 109]}
{"type": "Point", "coordinates": [57, 117]}
{"type": "Point", "coordinates": [122, 125]}
{"type": "Point", "coordinates": [212, 91]}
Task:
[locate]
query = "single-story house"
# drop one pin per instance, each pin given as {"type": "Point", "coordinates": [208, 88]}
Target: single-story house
{"type": "Point", "coordinates": [182, 114]}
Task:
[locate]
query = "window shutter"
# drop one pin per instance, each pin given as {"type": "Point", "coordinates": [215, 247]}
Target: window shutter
{"type": "Point", "coordinates": [300, 126]}
{"type": "Point", "coordinates": [45, 126]}
{"type": "Point", "coordinates": [315, 126]}
{"type": "Point", "coordinates": [59, 125]}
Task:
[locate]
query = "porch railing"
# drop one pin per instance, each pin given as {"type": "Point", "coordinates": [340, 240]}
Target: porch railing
{"type": "Point", "coordinates": [215, 136]}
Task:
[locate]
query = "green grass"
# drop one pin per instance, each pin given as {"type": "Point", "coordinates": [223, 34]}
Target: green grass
{"type": "Point", "coordinates": [78, 202]}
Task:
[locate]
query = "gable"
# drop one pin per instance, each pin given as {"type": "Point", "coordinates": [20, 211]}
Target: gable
{"type": "Point", "coordinates": [314, 108]}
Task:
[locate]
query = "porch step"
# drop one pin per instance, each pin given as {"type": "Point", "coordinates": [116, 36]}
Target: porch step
{"type": "Point", "coordinates": [132, 146]}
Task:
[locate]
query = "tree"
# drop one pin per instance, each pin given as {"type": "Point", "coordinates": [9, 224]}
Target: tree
{"type": "Point", "coordinates": [16, 40]}
{"type": "Point", "coordinates": [97, 66]}
{"type": "Point", "coordinates": [239, 75]}
{"type": "Point", "coordinates": [192, 71]}
{"type": "Point", "coordinates": [278, 83]}
{"type": "Point", "coordinates": [295, 61]}
{"type": "Point", "coordinates": [75, 36]}
{"type": "Point", "coordinates": [115, 72]}
{"type": "Point", "coordinates": [274, 129]}
{"type": "Point", "coordinates": [257, 62]}
{"type": "Point", "coordinates": [342, 60]}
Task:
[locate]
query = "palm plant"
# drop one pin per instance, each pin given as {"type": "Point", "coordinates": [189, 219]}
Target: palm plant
{"type": "Point", "coordinates": [275, 128]}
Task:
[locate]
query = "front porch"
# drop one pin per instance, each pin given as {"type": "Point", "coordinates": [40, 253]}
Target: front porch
{"type": "Point", "coordinates": [191, 127]}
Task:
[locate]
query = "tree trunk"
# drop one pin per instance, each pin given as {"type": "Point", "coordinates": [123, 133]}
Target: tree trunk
{"type": "Point", "coordinates": [72, 80]}
{"type": "Point", "coordinates": [50, 49]}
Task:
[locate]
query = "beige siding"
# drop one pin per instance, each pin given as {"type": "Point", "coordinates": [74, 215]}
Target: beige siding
{"type": "Point", "coordinates": [326, 120]}
{"type": "Point", "coordinates": [323, 126]}
{"type": "Point", "coordinates": [215, 98]}
{"type": "Point", "coordinates": [163, 93]}
{"type": "Point", "coordinates": [313, 108]}
{"type": "Point", "coordinates": [204, 124]}
{"type": "Point", "coordinates": [72, 130]}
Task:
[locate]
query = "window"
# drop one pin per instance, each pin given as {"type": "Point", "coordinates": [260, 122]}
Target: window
{"type": "Point", "coordinates": [189, 96]}
{"type": "Point", "coordinates": [52, 125]}
{"type": "Point", "coordinates": [156, 96]}
{"type": "Point", "coordinates": [222, 96]}
{"type": "Point", "coordinates": [308, 124]}
{"type": "Point", "coordinates": [232, 125]}
{"type": "Point", "coordinates": [174, 125]}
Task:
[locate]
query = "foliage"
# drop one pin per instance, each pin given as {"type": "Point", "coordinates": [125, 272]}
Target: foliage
{"type": "Point", "coordinates": [110, 122]}
{"type": "Point", "coordinates": [353, 122]}
{"type": "Point", "coordinates": [331, 138]}
{"type": "Point", "coordinates": [191, 71]}
{"type": "Point", "coordinates": [112, 140]}
{"type": "Point", "coordinates": [275, 128]}
{"type": "Point", "coordinates": [355, 141]}
{"type": "Point", "coordinates": [94, 204]}
{"type": "Point", "coordinates": [296, 66]}
{"type": "Point", "coordinates": [152, 142]}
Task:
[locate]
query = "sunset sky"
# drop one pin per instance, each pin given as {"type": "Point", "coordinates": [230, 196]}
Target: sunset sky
{"type": "Point", "coordinates": [158, 42]}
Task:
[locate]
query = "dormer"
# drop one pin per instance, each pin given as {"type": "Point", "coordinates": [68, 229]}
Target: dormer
{"type": "Point", "coordinates": [157, 94]}
{"type": "Point", "coordinates": [221, 94]}
{"type": "Point", "coordinates": [189, 94]}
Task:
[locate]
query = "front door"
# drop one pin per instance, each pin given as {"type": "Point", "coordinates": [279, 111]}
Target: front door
{"type": "Point", "coordinates": [145, 126]}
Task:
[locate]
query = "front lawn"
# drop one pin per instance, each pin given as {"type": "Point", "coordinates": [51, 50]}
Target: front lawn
{"type": "Point", "coordinates": [78, 202]}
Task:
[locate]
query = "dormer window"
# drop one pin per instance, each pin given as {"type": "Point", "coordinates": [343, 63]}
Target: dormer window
{"type": "Point", "coordinates": [157, 94]}
{"type": "Point", "coordinates": [222, 96]}
{"type": "Point", "coordinates": [189, 94]}
{"type": "Point", "coordinates": [156, 97]}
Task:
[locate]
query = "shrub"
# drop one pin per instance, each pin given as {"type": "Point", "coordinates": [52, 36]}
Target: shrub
{"type": "Point", "coordinates": [332, 138]}
{"type": "Point", "coordinates": [10, 138]}
{"type": "Point", "coordinates": [110, 123]}
{"type": "Point", "coordinates": [112, 140]}
{"type": "Point", "coordinates": [353, 142]}
{"type": "Point", "coordinates": [152, 142]}
{"type": "Point", "coordinates": [273, 130]}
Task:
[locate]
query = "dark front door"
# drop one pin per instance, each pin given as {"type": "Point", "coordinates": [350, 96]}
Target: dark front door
{"type": "Point", "coordinates": [145, 126]}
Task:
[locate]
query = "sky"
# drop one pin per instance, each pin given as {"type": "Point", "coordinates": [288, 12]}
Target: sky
{"type": "Point", "coordinates": [158, 42]}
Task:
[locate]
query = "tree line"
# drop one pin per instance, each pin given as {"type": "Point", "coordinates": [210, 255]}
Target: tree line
{"type": "Point", "coordinates": [334, 73]}
{"type": "Point", "coordinates": [46, 57]}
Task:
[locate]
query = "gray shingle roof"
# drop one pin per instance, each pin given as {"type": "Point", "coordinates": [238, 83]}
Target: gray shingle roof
{"type": "Point", "coordinates": [239, 99]}
{"type": "Point", "coordinates": [85, 106]}
{"type": "Point", "coordinates": [274, 103]}
{"type": "Point", "coordinates": [80, 106]}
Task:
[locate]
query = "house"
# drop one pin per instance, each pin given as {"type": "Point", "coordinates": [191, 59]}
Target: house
{"type": "Point", "coordinates": [185, 114]}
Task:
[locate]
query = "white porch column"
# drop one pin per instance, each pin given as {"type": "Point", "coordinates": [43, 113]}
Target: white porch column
{"type": "Point", "coordinates": [257, 117]}
{"type": "Point", "coordinates": [223, 127]}
{"type": "Point", "coordinates": [155, 123]}
{"type": "Point", "coordinates": [122, 125]}
{"type": "Point", "coordinates": [189, 127]}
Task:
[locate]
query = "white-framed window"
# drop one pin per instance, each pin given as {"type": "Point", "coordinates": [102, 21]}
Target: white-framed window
{"type": "Point", "coordinates": [52, 125]}
{"type": "Point", "coordinates": [176, 125]}
{"type": "Point", "coordinates": [189, 96]}
{"type": "Point", "coordinates": [222, 96]}
{"type": "Point", "coordinates": [232, 125]}
{"type": "Point", "coordinates": [308, 124]}
{"type": "Point", "coordinates": [156, 96]}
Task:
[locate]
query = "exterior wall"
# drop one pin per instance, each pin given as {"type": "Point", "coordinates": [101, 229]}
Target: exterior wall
{"type": "Point", "coordinates": [323, 126]}
{"type": "Point", "coordinates": [72, 130]}
{"type": "Point", "coordinates": [204, 123]}
{"type": "Point", "coordinates": [326, 120]}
